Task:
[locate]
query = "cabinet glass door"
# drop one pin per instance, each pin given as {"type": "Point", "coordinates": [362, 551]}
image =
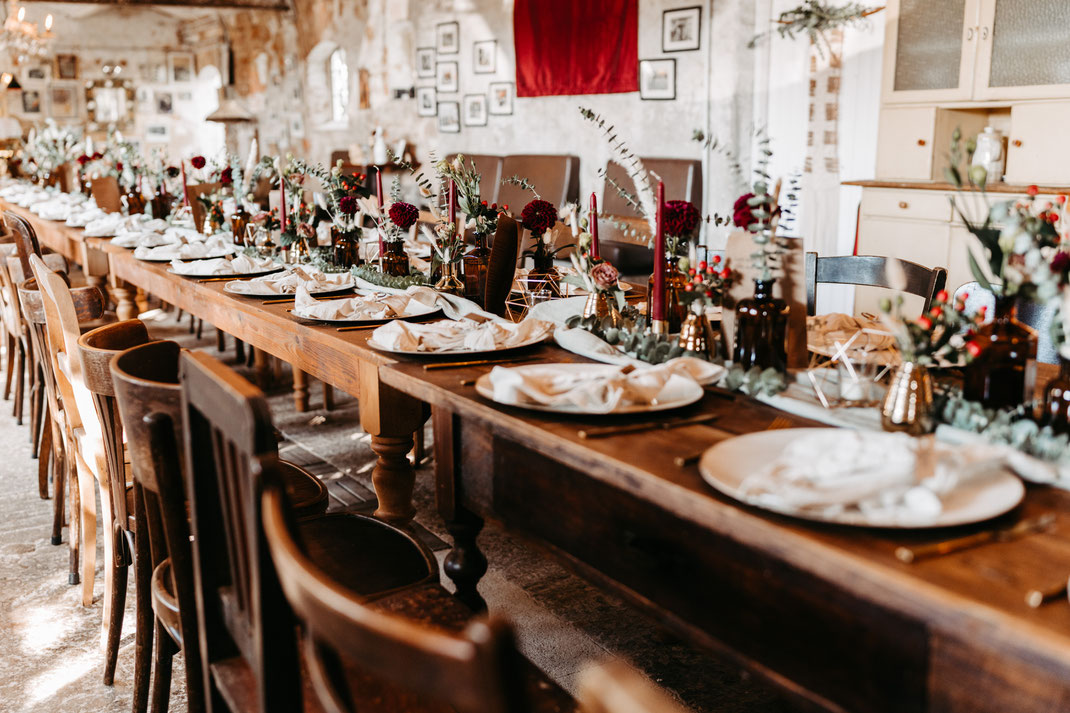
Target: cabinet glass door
{"type": "Point", "coordinates": [933, 46]}
{"type": "Point", "coordinates": [1025, 48]}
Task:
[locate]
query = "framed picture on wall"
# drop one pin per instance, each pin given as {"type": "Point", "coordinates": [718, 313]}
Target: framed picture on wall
{"type": "Point", "coordinates": [475, 110]}
{"type": "Point", "coordinates": [501, 95]}
{"type": "Point", "coordinates": [157, 134]}
{"type": "Point", "coordinates": [681, 29]}
{"type": "Point", "coordinates": [31, 101]}
{"type": "Point", "coordinates": [446, 77]}
{"type": "Point", "coordinates": [38, 72]}
{"type": "Point", "coordinates": [484, 56]}
{"type": "Point", "coordinates": [657, 79]}
{"type": "Point", "coordinates": [165, 103]}
{"type": "Point", "coordinates": [64, 100]}
{"type": "Point", "coordinates": [425, 62]}
{"type": "Point", "coordinates": [180, 67]}
{"type": "Point", "coordinates": [449, 117]}
{"type": "Point", "coordinates": [66, 66]}
{"type": "Point", "coordinates": [426, 101]}
{"type": "Point", "coordinates": [448, 38]}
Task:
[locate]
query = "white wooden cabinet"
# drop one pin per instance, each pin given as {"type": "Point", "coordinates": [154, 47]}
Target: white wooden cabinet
{"type": "Point", "coordinates": [943, 51]}
{"type": "Point", "coordinates": [1035, 152]}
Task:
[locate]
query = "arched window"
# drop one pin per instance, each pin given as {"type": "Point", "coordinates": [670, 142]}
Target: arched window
{"type": "Point", "coordinates": [338, 71]}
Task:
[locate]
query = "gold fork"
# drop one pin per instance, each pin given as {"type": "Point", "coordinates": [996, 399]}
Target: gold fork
{"type": "Point", "coordinates": [780, 422]}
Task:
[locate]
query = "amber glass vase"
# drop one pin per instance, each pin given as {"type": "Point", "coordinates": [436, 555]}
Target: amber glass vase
{"type": "Point", "coordinates": [395, 260]}
{"type": "Point", "coordinates": [239, 222]}
{"type": "Point", "coordinates": [761, 328]}
{"type": "Point", "coordinates": [675, 308]}
{"type": "Point", "coordinates": [161, 204]}
{"type": "Point", "coordinates": [474, 268]}
{"type": "Point", "coordinates": [135, 202]}
{"type": "Point", "coordinates": [997, 375]}
{"type": "Point", "coordinates": [345, 247]}
{"type": "Point", "coordinates": [1057, 399]}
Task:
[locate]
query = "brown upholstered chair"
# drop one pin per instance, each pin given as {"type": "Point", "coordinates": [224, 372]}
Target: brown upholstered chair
{"type": "Point", "coordinates": [556, 178]}
{"type": "Point", "coordinates": [683, 181]}
{"type": "Point", "coordinates": [869, 271]}
{"type": "Point", "coordinates": [489, 169]}
{"type": "Point", "coordinates": [247, 648]}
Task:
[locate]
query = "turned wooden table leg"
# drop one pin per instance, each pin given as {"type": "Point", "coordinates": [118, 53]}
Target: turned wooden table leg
{"type": "Point", "coordinates": [262, 368]}
{"type": "Point", "coordinates": [125, 306]}
{"type": "Point", "coordinates": [465, 563]}
{"type": "Point", "coordinates": [300, 390]}
{"type": "Point", "coordinates": [390, 418]}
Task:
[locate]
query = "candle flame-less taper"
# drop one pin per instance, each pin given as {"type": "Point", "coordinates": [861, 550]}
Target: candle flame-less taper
{"type": "Point", "coordinates": [657, 300]}
{"type": "Point", "coordinates": [592, 227]}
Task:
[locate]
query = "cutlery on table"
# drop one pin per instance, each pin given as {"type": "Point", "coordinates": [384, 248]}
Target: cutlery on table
{"type": "Point", "coordinates": [1037, 598]}
{"type": "Point", "coordinates": [607, 431]}
{"type": "Point", "coordinates": [1024, 528]}
{"type": "Point", "coordinates": [355, 327]}
{"type": "Point", "coordinates": [479, 362]}
{"type": "Point", "coordinates": [318, 299]}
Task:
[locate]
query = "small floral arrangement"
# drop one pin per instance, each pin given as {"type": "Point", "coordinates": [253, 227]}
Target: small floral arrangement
{"type": "Point", "coordinates": [403, 215]}
{"type": "Point", "coordinates": [539, 217]}
{"type": "Point", "coordinates": [758, 213]}
{"type": "Point", "coordinates": [680, 220]}
{"type": "Point", "coordinates": [709, 281]}
{"type": "Point", "coordinates": [53, 146]}
{"type": "Point", "coordinates": [943, 334]}
{"type": "Point", "coordinates": [448, 244]}
{"type": "Point", "coordinates": [593, 274]}
{"type": "Point", "coordinates": [1026, 251]}
{"type": "Point", "coordinates": [481, 216]}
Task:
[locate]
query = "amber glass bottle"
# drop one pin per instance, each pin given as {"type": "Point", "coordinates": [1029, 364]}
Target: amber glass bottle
{"type": "Point", "coordinates": [675, 308]}
{"type": "Point", "coordinates": [1057, 399]}
{"type": "Point", "coordinates": [997, 375]}
{"type": "Point", "coordinates": [761, 328]}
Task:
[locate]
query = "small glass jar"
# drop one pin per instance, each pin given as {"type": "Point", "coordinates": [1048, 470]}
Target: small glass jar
{"type": "Point", "coordinates": [239, 221]}
{"type": "Point", "coordinates": [474, 268]}
{"type": "Point", "coordinates": [395, 261]}
{"type": "Point", "coordinates": [761, 329]}
{"type": "Point", "coordinates": [345, 247]}
{"type": "Point", "coordinates": [1000, 375]}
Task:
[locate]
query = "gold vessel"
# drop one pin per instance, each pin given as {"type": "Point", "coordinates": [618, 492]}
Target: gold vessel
{"type": "Point", "coordinates": [908, 405]}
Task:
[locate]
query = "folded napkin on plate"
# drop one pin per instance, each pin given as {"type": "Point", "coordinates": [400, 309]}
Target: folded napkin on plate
{"type": "Point", "coordinates": [460, 335]}
{"type": "Point", "coordinates": [139, 238]}
{"type": "Point", "coordinates": [237, 265]}
{"type": "Point", "coordinates": [889, 477]}
{"type": "Point", "coordinates": [104, 226]}
{"type": "Point", "coordinates": [213, 247]}
{"type": "Point", "coordinates": [597, 388]}
{"type": "Point", "coordinates": [287, 283]}
{"type": "Point", "coordinates": [361, 307]}
{"type": "Point", "coordinates": [824, 331]}
{"type": "Point", "coordinates": [580, 341]}
{"type": "Point", "coordinates": [79, 218]}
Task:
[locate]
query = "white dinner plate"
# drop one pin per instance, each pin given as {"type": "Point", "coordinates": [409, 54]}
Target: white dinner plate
{"type": "Point", "coordinates": [174, 255]}
{"type": "Point", "coordinates": [233, 275]}
{"type": "Point", "coordinates": [453, 352]}
{"type": "Point", "coordinates": [725, 466]}
{"type": "Point", "coordinates": [679, 391]}
{"type": "Point", "coordinates": [268, 294]}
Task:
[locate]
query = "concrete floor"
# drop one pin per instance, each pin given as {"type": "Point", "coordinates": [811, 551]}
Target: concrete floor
{"type": "Point", "coordinates": [50, 656]}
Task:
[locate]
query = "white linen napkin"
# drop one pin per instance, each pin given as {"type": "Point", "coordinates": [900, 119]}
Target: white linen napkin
{"type": "Point", "coordinates": [359, 308]}
{"type": "Point", "coordinates": [287, 283]}
{"type": "Point", "coordinates": [213, 247]}
{"type": "Point", "coordinates": [596, 388]}
{"type": "Point", "coordinates": [460, 335]}
{"type": "Point", "coordinates": [104, 226]}
{"type": "Point", "coordinates": [824, 331]}
{"type": "Point", "coordinates": [237, 265]}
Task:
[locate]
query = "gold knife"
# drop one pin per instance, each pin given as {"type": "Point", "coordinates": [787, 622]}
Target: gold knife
{"type": "Point", "coordinates": [638, 427]}
{"type": "Point", "coordinates": [479, 362]}
{"type": "Point", "coordinates": [1022, 529]}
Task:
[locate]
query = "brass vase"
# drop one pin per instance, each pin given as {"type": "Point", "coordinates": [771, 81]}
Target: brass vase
{"type": "Point", "coordinates": [449, 282]}
{"type": "Point", "coordinates": [908, 405]}
{"type": "Point", "coordinates": [601, 305]}
{"type": "Point", "coordinates": [696, 335]}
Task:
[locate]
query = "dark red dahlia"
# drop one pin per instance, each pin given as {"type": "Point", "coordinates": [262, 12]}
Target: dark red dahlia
{"type": "Point", "coordinates": [404, 215]}
{"type": "Point", "coordinates": [119, 166]}
{"type": "Point", "coordinates": [172, 171]}
{"type": "Point", "coordinates": [83, 160]}
{"type": "Point", "coordinates": [198, 162]}
{"type": "Point", "coordinates": [742, 217]}
{"type": "Point", "coordinates": [348, 205]}
{"type": "Point", "coordinates": [1061, 262]}
{"type": "Point", "coordinates": [538, 216]}
{"type": "Point", "coordinates": [226, 176]}
{"type": "Point", "coordinates": [681, 218]}
{"type": "Point", "coordinates": [97, 156]}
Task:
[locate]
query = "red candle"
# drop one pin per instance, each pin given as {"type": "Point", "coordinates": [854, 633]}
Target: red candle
{"type": "Point", "coordinates": [382, 217]}
{"type": "Point", "coordinates": [282, 202]}
{"type": "Point", "coordinates": [185, 190]}
{"type": "Point", "coordinates": [592, 219]}
{"type": "Point", "coordinates": [453, 202]}
{"type": "Point", "coordinates": [657, 300]}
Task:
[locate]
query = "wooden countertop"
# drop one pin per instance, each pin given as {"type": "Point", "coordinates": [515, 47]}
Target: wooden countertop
{"type": "Point", "coordinates": [945, 186]}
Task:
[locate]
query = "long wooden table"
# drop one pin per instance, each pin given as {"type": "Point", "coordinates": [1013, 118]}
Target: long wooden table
{"type": "Point", "coordinates": [826, 613]}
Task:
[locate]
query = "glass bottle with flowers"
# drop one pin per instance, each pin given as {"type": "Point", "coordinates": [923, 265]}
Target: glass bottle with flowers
{"type": "Point", "coordinates": [708, 282]}
{"type": "Point", "coordinates": [342, 199]}
{"type": "Point", "coordinates": [940, 336]}
{"type": "Point", "coordinates": [539, 217]}
{"type": "Point", "coordinates": [399, 220]}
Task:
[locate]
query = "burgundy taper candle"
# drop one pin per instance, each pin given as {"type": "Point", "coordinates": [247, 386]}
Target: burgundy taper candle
{"type": "Point", "coordinates": [657, 300]}
{"type": "Point", "coordinates": [185, 190]}
{"type": "Point", "coordinates": [282, 202]}
{"type": "Point", "coordinates": [382, 216]}
{"type": "Point", "coordinates": [592, 228]}
{"type": "Point", "coordinates": [452, 202]}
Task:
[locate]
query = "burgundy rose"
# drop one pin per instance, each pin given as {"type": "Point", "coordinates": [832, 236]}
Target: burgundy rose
{"type": "Point", "coordinates": [604, 275]}
{"type": "Point", "coordinates": [348, 205]}
{"type": "Point", "coordinates": [226, 176]}
{"type": "Point", "coordinates": [1061, 262]}
{"type": "Point", "coordinates": [198, 162]}
{"type": "Point", "coordinates": [404, 215]}
{"type": "Point", "coordinates": [742, 217]}
{"type": "Point", "coordinates": [681, 218]}
{"type": "Point", "coordinates": [538, 216]}
{"type": "Point", "coordinates": [306, 231]}
{"type": "Point", "coordinates": [83, 160]}
{"type": "Point", "coordinates": [119, 166]}
{"type": "Point", "coordinates": [97, 156]}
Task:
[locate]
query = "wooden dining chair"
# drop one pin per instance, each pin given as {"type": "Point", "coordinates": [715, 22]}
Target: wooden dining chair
{"type": "Point", "coordinates": [97, 348]}
{"type": "Point", "coordinates": [502, 264]}
{"type": "Point", "coordinates": [869, 271]}
{"type": "Point", "coordinates": [247, 637]}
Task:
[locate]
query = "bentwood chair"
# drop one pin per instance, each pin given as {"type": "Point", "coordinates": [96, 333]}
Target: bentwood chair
{"type": "Point", "coordinates": [869, 271]}
{"type": "Point", "coordinates": [97, 347]}
{"type": "Point", "coordinates": [247, 644]}
{"type": "Point", "coordinates": [146, 380]}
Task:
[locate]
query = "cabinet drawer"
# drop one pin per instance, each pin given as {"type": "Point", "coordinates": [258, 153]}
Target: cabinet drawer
{"type": "Point", "coordinates": [905, 149]}
{"type": "Point", "coordinates": [913, 205]}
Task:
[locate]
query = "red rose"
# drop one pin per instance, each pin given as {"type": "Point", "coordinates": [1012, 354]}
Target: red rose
{"type": "Point", "coordinates": [198, 162]}
{"type": "Point", "coordinates": [680, 218]}
{"type": "Point", "coordinates": [742, 217]}
{"type": "Point", "coordinates": [404, 215]}
{"type": "Point", "coordinates": [925, 323]}
{"type": "Point", "coordinates": [538, 216]}
{"type": "Point", "coordinates": [306, 231]}
{"type": "Point", "coordinates": [83, 160]}
{"type": "Point", "coordinates": [348, 205]}
{"type": "Point", "coordinates": [226, 176]}
{"type": "Point", "coordinates": [1061, 261]}
{"type": "Point", "coordinates": [604, 275]}
{"type": "Point", "coordinates": [119, 166]}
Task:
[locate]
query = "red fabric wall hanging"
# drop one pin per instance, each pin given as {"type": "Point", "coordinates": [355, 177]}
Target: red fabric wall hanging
{"type": "Point", "coordinates": [566, 47]}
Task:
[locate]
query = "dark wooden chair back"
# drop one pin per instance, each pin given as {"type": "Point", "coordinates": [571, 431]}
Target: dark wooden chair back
{"type": "Point", "coordinates": [475, 671]}
{"type": "Point", "coordinates": [242, 615]}
{"type": "Point", "coordinates": [25, 241]}
{"type": "Point", "coordinates": [195, 191]}
{"type": "Point", "coordinates": [98, 347]}
{"type": "Point", "coordinates": [869, 271]}
{"type": "Point", "coordinates": [556, 178]}
{"type": "Point", "coordinates": [149, 399]}
{"type": "Point", "coordinates": [106, 194]}
{"type": "Point", "coordinates": [502, 264]}
{"type": "Point", "coordinates": [489, 169]}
